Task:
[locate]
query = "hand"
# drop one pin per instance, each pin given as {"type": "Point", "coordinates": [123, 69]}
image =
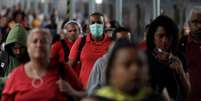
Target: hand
{"type": "Point", "coordinates": [169, 59]}
{"type": "Point", "coordinates": [65, 87]}
{"type": "Point", "coordinates": [175, 64]}
{"type": "Point", "coordinates": [161, 56]}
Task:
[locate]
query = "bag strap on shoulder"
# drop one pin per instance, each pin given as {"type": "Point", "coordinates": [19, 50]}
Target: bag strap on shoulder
{"type": "Point", "coordinates": [82, 43]}
{"type": "Point", "coordinates": [66, 50]}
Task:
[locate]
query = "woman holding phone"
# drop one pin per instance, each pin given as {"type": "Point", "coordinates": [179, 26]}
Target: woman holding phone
{"type": "Point", "coordinates": [167, 65]}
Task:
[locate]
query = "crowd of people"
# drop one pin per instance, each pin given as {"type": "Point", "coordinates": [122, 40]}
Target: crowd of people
{"type": "Point", "coordinates": [98, 62]}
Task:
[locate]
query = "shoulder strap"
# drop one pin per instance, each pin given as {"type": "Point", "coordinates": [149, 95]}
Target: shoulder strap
{"type": "Point", "coordinates": [4, 61]}
{"type": "Point", "coordinates": [82, 43]}
{"type": "Point", "coordinates": [83, 40]}
{"type": "Point", "coordinates": [66, 50]}
{"type": "Point", "coordinates": [62, 70]}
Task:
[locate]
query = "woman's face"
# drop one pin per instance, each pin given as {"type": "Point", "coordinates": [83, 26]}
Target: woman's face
{"type": "Point", "coordinates": [161, 39]}
{"type": "Point", "coordinates": [128, 74]}
{"type": "Point", "coordinates": [39, 46]}
{"type": "Point", "coordinates": [71, 31]}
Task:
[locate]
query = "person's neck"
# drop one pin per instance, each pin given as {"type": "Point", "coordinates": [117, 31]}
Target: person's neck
{"type": "Point", "coordinates": [38, 66]}
{"type": "Point", "coordinates": [71, 41]}
{"type": "Point", "coordinates": [98, 38]}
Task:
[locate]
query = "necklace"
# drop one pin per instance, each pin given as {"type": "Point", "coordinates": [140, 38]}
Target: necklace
{"type": "Point", "coordinates": [37, 81]}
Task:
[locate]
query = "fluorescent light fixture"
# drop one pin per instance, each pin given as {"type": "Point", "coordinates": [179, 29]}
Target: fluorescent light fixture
{"type": "Point", "coordinates": [99, 1]}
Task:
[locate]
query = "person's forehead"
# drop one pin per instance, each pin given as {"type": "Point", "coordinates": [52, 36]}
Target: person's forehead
{"type": "Point", "coordinates": [17, 44]}
{"type": "Point", "coordinates": [160, 29]}
{"type": "Point", "coordinates": [37, 35]}
{"type": "Point", "coordinates": [122, 33]}
{"type": "Point", "coordinates": [126, 54]}
{"type": "Point", "coordinates": [96, 18]}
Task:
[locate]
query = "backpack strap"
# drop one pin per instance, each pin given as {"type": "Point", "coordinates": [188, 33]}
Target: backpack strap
{"type": "Point", "coordinates": [66, 50]}
{"type": "Point", "coordinates": [82, 43]}
{"type": "Point", "coordinates": [4, 61]}
{"type": "Point", "coordinates": [62, 70]}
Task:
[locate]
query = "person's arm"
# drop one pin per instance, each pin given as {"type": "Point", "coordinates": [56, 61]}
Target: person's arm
{"type": "Point", "coordinates": [56, 47]}
{"type": "Point", "coordinates": [165, 95]}
{"type": "Point", "coordinates": [72, 78]}
{"type": "Point", "coordinates": [95, 77]}
{"type": "Point", "coordinates": [67, 89]}
{"type": "Point", "coordinates": [72, 62]}
{"type": "Point", "coordinates": [176, 65]}
{"type": "Point", "coordinates": [7, 98]}
{"type": "Point", "coordinates": [9, 87]}
{"type": "Point", "coordinates": [70, 85]}
{"type": "Point", "coordinates": [183, 77]}
{"type": "Point", "coordinates": [74, 53]}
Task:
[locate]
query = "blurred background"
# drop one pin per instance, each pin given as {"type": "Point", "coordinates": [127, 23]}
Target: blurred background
{"type": "Point", "coordinates": [134, 14]}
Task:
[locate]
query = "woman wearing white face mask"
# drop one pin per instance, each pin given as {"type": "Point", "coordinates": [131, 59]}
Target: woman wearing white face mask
{"type": "Point", "coordinates": [96, 44]}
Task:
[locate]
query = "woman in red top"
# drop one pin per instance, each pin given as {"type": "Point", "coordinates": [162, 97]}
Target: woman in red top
{"type": "Point", "coordinates": [39, 79]}
{"type": "Point", "coordinates": [70, 30]}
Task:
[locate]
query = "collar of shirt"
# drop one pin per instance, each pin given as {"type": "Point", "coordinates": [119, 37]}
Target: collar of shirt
{"type": "Point", "coordinates": [190, 40]}
{"type": "Point", "coordinates": [89, 38]}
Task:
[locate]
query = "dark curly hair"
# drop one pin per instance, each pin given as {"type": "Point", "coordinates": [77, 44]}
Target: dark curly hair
{"type": "Point", "coordinates": [170, 28]}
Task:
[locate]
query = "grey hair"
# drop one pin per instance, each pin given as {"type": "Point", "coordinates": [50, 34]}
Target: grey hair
{"type": "Point", "coordinates": [195, 9]}
{"type": "Point", "coordinates": [42, 31]}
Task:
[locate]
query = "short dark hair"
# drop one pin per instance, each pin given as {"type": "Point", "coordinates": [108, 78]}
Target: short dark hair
{"type": "Point", "coordinates": [119, 44]}
{"type": "Point", "coordinates": [96, 14]}
{"type": "Point", "coordinates": [119, 29]}
{"type": "Point", "coordinates": [114, 24]}
{"type": "Point", "coordinates": [169, 26]}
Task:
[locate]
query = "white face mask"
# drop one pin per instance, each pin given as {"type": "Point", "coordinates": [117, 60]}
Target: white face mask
{"type": "Point", "coordinates": [96, 30]}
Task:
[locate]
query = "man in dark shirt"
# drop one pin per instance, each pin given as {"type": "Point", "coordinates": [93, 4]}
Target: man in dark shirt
{"type": "Point", "coordinates": [194, 53]}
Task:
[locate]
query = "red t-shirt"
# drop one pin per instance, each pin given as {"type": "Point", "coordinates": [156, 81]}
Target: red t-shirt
{"type": "Point", "coordinates": [57, 51]}
{"type": "Point", "coordinates": [19, 86]}
{"type": "Point", "coordinates": [143, 45]}
{"type": "Point", "coordinates": [194, 69]}
{"type": "Point", "coordinates": [91, 51]}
